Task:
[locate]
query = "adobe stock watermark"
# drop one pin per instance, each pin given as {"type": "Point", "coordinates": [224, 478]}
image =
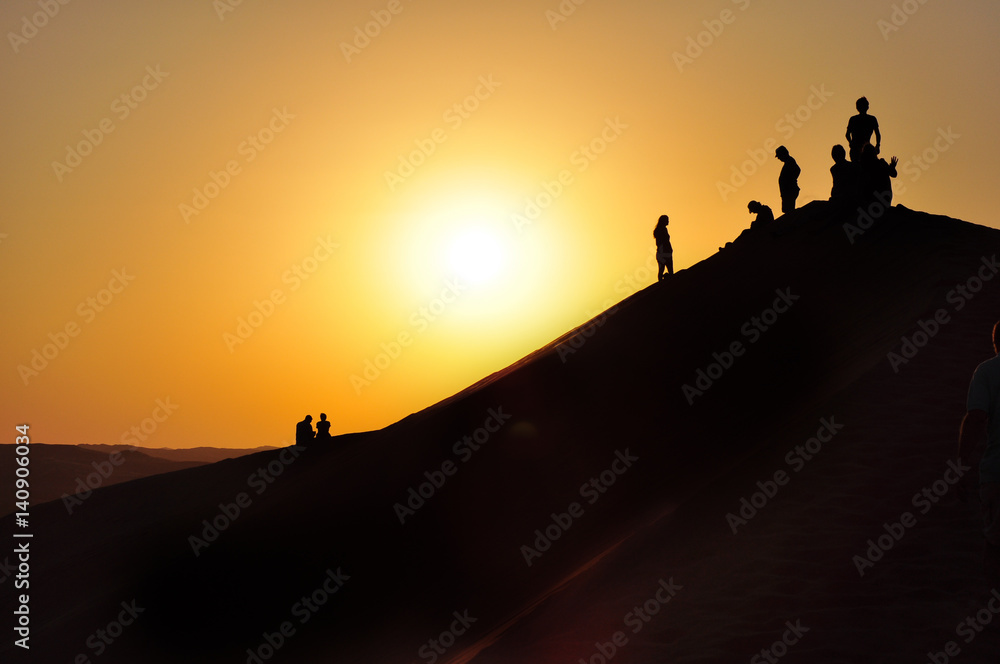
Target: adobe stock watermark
{"type": "Point", "coordinates": [583, 333]}
{"type": "Point", "coordinates": [464, 448]}
{"type": "Point", "coordinates": [103, 638]}
{"type": "Point", "coordinates": [223, 7]}
{"type": "Point", "coordinates": [923, 501]}
{"type": "Point", "coordinates": [914, 168]}
{"type": "Point", "coordinates": [420, 320]}
{"type": "Point", "coordinates": [899, 16]}
{"type": "Point", "coordinates": [304, 609]}
{"type": "Point", "coordinates": [248, 149]}
{"type": "Point", "coordinates": [123, 106]}
{"type": "Point", "coordinates": [640, 616]}
{"type": "Point", "coordinates": [786, 126]}
{"type": "Point", "coordinates": [562, 12]}
{"type": "Point", "coordinates": [260, 480]}
{"type": "Point", "coordinates": [581, 158]}
{"type": "Point", "coordinates": [752, 330]}
{"type": "Point", "coordinates": [454, 117]}
{"type": "Point", "coordinates": [796, 458]}
{"type": "Point", "coordinates": [85, 486]}
{"type": "Point", "coordinates": [294, 277]}
{"type": "Point", "coordinates": [714, 28]}
{"type": "Point", "coordinates": [30, 25]}
{"type": "Point", "coordinates": [86, 310]}
{"type": "Point", "coordinates": [958, 297]}
{"type": "Point", "coordinates": [968, 629]}
{"type": "Point", "coordinates": [592, 490]}
{"type": "Point", "coordinates": [919, 164]}
{"type": "Point", "coordinates": [364, 34]}
{"type": "Point", "coordinates": [440, 644]}
{"type": "Point", "coordinates": [627, 285]}
{"type": "Point", "coordinates": [793, 634]}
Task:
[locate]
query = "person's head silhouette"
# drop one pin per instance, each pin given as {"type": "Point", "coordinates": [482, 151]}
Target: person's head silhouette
{"type": "Point", "coordinates": [322, 416]}
{"type": "Point", "coordinates": [839, 153]}
{"type": "Point", "coordinates": [781, 153]}
{"type": "Point", "coordinates": [662, 221]}
{"type": "Point", "coordinates": [862, 105]}
{"type": "Point", "coordinates": [869, 152]}
{"type": "Point", "coordinates": [309, 418]}
{"type": "Point", "coordinates": [753, 206]}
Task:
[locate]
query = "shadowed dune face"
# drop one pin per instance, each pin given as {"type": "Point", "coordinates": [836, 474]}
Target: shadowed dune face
{"type": "Point", "coordinates": [633, 446]}
{"type": "Point", "coordinates": [70, 472]}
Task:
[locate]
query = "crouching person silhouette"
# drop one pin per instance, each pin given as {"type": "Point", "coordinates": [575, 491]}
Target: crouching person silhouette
{"type": "Point", "coordinates": [764, 218]}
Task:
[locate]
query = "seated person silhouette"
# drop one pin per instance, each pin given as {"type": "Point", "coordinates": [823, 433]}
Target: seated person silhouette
{"type": "Point", "coordinates": [304, 431]}
{"type": "Point", "coordinates": [859, 131]}
{"type": "Point", "coordinates": [844, 194]}
{"type": "Point", "coordinates": [764, 215]}
{"type": "Point", "coordinates": [323, 430]}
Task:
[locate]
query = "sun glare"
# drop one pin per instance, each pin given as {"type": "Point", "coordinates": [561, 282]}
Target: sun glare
{"type": "Point", "coordinates": [477, 256]}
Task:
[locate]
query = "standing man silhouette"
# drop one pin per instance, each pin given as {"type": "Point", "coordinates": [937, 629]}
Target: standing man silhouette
{"type": "Point", "coordinates": [982, 421]}
{"type": "Point", "coordinates": [859, 131]}
{"type": "Point", "coordinates": [788, 179]}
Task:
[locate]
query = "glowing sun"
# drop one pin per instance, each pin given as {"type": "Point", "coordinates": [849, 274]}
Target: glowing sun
{"type": "Point", "coordinates": [477, 255]}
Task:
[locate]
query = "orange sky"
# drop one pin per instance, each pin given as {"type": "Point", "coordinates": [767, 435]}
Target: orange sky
{"type": "Point", "coordinates": [173, 169]}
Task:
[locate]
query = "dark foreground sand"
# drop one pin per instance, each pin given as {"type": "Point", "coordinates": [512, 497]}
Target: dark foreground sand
{"type": "Point", "coordinates": [658, 524]}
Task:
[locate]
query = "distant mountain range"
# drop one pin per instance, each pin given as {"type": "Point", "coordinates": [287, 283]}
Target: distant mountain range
{"type": "Point", "coordinates": [65, 470]}
{"type": "Point", "coordinates": [200, 454]}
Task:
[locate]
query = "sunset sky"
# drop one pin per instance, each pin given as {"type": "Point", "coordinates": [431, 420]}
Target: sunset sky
{"type": "Point", "coordinates": [218, 215]}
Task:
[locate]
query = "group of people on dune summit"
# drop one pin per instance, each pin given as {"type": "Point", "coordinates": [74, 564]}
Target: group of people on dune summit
{"type": "Point", "coordinates": [857, 183]}
{"type": "Point", "coordinates": [304, 432]}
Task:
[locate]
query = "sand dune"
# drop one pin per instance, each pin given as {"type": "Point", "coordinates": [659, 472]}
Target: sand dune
{"type": "Point", "coordinates": [67, 470]}
{"type": "Point", "coordinates": [605, 473]}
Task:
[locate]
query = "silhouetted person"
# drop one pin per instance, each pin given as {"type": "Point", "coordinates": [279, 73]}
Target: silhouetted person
{"type": "Point", "coordinates": [860, 129]}
{"type": "Point", "coordinates": [876, 177]}
{"type": "Point", "coordinates": [323, 430]}
{"type": "Point", "coordinates": [845, 180]}
{"type": "Point", "coordinates": [304, 431]}
{"type": "Point", "coordinates": [764, 215]}
{"type": "Point", "coordinates": [664, 252]}
{"type": "Point", "coordinates": [788, 179]}
{"type": "Point", "coordinates": [982, 422]}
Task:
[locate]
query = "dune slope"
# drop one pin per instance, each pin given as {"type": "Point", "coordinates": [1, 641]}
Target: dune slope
{"type": "Point", "coordinates": [592, 453]}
